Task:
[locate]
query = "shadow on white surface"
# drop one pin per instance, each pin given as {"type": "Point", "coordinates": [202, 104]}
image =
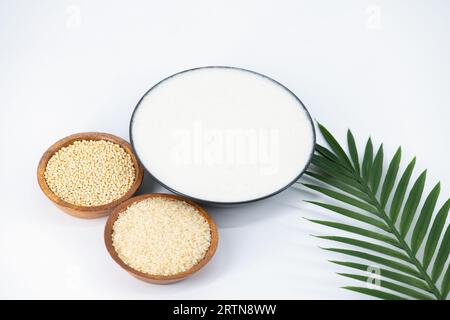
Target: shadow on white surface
{"type": "Point", "coordinates": [149, 185]}
{"type": "Point", "coordinates": [257, 212]}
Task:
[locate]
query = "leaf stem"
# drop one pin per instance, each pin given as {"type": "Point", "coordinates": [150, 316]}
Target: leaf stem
{"type": "Point", "coordinates": [434, 290]}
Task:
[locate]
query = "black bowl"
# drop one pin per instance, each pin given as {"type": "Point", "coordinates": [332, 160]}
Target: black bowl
{"type": "Point", "coordinates": [216, 203]}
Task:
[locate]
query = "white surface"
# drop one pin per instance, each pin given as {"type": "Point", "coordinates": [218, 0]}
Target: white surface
{"type": "Point", "coordinates": [222, 135]}
{"type": "Point", "coordinates": [388, 77]}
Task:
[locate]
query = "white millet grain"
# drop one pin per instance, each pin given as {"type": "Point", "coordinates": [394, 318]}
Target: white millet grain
{"type": "Point", "coordinates": [161, 236]}
{"type": "Point", "coordinates": [90, 172]}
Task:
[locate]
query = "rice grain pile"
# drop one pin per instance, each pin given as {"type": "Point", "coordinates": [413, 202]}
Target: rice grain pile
{"type": "Point", "coordinates": [90, 172]}
{"type": "Point", "coordinates": [161, 236]}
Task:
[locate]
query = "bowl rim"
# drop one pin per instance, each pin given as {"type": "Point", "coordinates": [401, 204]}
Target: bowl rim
{"type": "Point", "coordinates": [68, 140]}
{"type": "Point", "coordinates": [225, 203]}
{"type": "Point", "coordinates": [151, 277]}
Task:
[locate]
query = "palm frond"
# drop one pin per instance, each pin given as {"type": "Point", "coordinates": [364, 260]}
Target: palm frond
{"type": "Point", "coordinates": [399, 277]}
{"type": "Point", "coordinates": [389, 179]}
{"type": "Point", "coordinates": [392, 286]}
{"type": "Point", "coordinates": [359, 231]}
{"type": "Point", "coordinates": [394, 220]}
{"type": "Point", "coordinates": [369, 246]}
{"type": "Point", "coordinates": [435, 234]}
{"type": "Point", "coordinates": [377, 170]}
{"type": "Point", "coordinates": [367, 160]}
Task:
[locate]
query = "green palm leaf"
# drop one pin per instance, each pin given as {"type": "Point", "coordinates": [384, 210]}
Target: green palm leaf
{"type": "Point", "coordinates": [389, 180]}
{"type": "Point", "coordinates": [353, 150]}
{"type": "Point", "coordinates": [442, 256]}
{"type": "Point", "coordinates": [446, 283]}
{"type": "Point", "coordinates": [435, 233]}
{"type": "Point", "coordinates": [342, 197]}
{"type": "Point", "coordinates": [367, 160]}
{"type": "Point", "coordinates": [377, 170]}
{"type": "Point", "coordinates": [391, 286]}
{"type": "Point", "coordinates": [356, 188]}
{"type": "Point", "coordinates": [368, 245]}
{"type": "Point", "coordinates": [424, 219]}
{"type": "Point", "coordinates": [326, 153]}
{"type": "Point", "coordinates": [335, 145]}
{"type": "Point", "coordinates": [354, 215]}
{"type": "Point", "coordinates": [399, 277]}
{"type": "Point", "coordinates": [400, 192]}
{"type": "Point", "coordinates": [335, 171]}
{"type": "Point", "coordinates": [360, 231]}
{"type": "Point", "coordinates": [412, 203]}
{"type": "Point", "coordinates": [377, 259]}
{"type": "Point", "coordinates": [338, 185]}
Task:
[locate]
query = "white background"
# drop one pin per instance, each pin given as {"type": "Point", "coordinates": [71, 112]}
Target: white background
{"type": "Point", "coordinates": [378, 67]}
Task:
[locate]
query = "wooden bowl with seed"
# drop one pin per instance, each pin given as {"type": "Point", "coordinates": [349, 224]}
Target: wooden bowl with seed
{"type": "Point", "coordinates": [82, 211]}
{"type": "Point", "coordinates": [152, 278]}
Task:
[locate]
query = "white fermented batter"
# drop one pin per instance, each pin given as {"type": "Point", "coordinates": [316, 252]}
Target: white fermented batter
{"type": "Point", "coordinates": [222, 134]}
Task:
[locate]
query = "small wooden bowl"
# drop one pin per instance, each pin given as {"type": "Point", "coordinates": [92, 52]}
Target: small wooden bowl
{"type": "Point", "coordinates": [159, 279]}
{"type": "Point", "coordinates": [83, 211]}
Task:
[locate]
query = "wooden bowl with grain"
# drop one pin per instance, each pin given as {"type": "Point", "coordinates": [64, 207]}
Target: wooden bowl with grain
{"type": "Point", "coordinates": [87, 212]}
{"type": "Point", "coordinates": [159, 279]}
